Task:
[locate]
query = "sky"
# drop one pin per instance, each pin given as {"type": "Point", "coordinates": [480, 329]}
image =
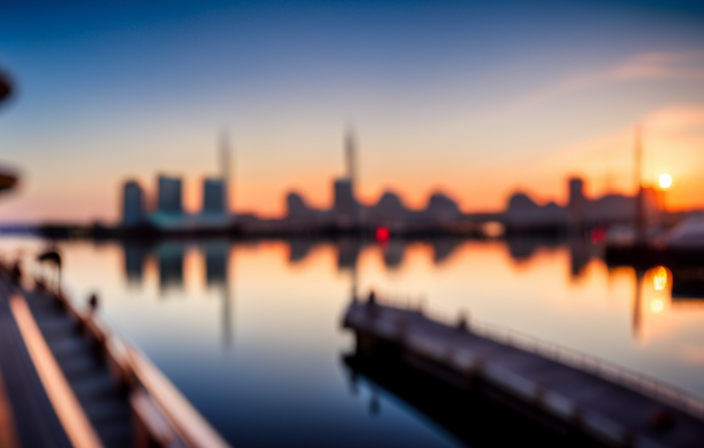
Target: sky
{"type": "Point", "coordinates": [474, 99]}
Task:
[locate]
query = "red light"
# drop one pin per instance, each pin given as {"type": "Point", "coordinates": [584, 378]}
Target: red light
{"type": "Point", "coordinates": [382, 234]}
{"type": "Point", "coordinates": [598, 235]}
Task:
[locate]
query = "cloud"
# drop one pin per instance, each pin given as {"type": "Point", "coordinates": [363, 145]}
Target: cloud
{"type": "Point", "coordinates": [606, 161]}
{"type": "Point", "coordinates": [644, 66]}
{"type": "Point", "coordinates": [674, 119]}
{"type": "Point", "coordinates": [660, 66]}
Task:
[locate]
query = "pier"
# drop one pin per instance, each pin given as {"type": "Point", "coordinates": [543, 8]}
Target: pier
{"type": "Point", "coordinates": [585, 401]}
{"type": "Point", "coordinates": [67, 379]}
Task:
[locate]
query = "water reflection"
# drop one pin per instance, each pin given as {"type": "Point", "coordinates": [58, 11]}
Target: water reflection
{"type": "Point", "coordinates": [653, 288]}
{"type": "Point", "coordinates": [170, 257]}
{"type": "Point", "coordinates": [217, 256]}
{"type": "Point", "coordinates": [249, 330]}
{"type": "Point", "coordinates": [135, 254]}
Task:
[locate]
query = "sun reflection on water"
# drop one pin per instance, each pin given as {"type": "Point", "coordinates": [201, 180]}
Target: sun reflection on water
{"type": "Point", "coordinates": [660, 278]}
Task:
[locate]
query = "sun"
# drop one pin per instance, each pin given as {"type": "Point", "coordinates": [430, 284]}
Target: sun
{"type": "Point", "coordinates": [665, 180]}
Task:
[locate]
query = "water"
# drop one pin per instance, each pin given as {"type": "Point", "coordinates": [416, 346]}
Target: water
{"type": "Point", "coordinates": [251, 334]}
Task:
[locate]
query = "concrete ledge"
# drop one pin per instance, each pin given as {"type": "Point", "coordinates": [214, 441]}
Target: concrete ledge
{"type": "Point", "coordinates": [559, 406]}
{"type": "Point", "coordinates": [605, 428]}
{"type": "Point", "coordinates": [522, 387]}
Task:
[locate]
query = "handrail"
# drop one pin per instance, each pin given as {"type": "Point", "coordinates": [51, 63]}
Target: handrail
{"type": "Point", "coordinates": [601, 368]}
{"type": "Point", "coordinates": [70, 413]}
{"type": "Point", "coordinates": [131, 364]}
{"type": "Point", "coordinates": [623, 376]}
{"type": "Point", "coordinates": [193, 430]}
{"type": "Point", "coordinates": [184, 419]}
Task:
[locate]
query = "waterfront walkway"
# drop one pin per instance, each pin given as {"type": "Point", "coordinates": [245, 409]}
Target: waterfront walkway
{"type": "Point", "coordinates": [609, 404]}
{"type": "Point", "coordinates": [66, 380]}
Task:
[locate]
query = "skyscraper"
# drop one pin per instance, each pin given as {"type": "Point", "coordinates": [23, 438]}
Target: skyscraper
{"type": "Point", "coordinates": [225, 167]}
{"type": "Point", "coordinates": [169, 195]}
{"type": "Point", "coordinates": [214, 193]}
{"type": "Point", "coordinates": [132, 204]}
{"type": "Point", "coordinates": [346, 207]}
{"type": "Point", "coordinates": [345, 204]}
{"type": "Point", "coordinates": [577, 202]}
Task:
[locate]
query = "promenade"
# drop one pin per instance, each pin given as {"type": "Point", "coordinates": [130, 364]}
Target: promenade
{"type": "Point", "coordinates": [68, 380]}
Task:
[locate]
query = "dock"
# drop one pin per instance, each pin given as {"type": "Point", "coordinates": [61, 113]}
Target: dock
{"type": "Point", "coordinates": [587, 400]}
{"type": "Point", "coordinates": [67, 379]}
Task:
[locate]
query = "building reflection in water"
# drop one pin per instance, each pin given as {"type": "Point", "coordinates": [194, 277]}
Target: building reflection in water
{"type": "Point", "coordinates": [299, 248]}
{"type": "Point", "coordinates": [170, 255]}
{"type": "Point", "coordinates": [217, 254]}
{"type": "Point", "coordinates": [654, 288]}
{"type": "Point", "coordinates": [688, 284]}
{"type": "Point", "coordinates": [393, 253]}
{"type": "Point", "coordinates": [348, 250]}
{"type": "Point", "coordinates": [134, 256]}
{"type": "Point", "coordinates": [170, 258]}
{"type": "Point", "coordinates": [443, 248]}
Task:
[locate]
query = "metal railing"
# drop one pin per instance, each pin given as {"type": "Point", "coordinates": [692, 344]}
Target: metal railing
{"type": "Point", "coordinates": [169, 414]}
{"type": "Point", "coordinates": [606, 370]}
{"type": "Point", "coordinates": [136, 368]}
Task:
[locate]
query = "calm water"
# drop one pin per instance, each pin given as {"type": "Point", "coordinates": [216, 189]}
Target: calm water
{"type": "Point", "coordinates": [251, 333]}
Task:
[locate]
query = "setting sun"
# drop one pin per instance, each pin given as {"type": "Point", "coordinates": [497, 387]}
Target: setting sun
{"type": "Point", "coordinates": [665, 180]}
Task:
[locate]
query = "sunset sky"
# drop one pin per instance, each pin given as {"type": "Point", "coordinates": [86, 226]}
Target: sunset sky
{"type": "Point", "coordinates": [474, 99]}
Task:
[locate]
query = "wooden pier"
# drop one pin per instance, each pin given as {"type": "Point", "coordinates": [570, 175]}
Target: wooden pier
{"type": "Point", "coordinates": [68, 380]}
{"type": "Point", "coordinates": [578, 395]}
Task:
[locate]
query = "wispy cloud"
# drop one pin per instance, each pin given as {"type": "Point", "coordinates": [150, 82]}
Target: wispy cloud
{"type": "Point", "coordinates": [643, 66]}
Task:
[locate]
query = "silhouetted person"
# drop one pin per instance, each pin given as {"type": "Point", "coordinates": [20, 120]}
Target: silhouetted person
{"type": "Point", "coordinates": [93, 302]}
{"type": "Point", "coordinates": [16, 273]}
{"type": "Point", "coordinates": [52, 256]}
{"type": "Point", "coordinates": [462, 322]}
{"type": "Point", "coordinates": [372, 298]}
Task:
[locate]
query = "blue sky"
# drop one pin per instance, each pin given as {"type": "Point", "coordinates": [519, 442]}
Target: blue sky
{"type": "Point", "coordinates": [476, 99]}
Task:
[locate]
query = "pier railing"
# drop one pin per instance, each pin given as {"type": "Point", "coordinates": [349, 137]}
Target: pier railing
{"type": "Point", "coordinates": [636, 381]}
{"type": "Point", "coordinates": [163, 416]}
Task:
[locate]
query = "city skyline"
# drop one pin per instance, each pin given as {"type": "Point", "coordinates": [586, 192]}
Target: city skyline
{"type": "Point", "coordinates": [474, 100]}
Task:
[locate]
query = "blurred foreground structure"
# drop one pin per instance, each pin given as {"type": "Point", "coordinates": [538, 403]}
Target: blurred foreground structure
{"type": "Point", "coordinates": [68, 380]}
{"type": "Point", "coordinates": [8, 178]}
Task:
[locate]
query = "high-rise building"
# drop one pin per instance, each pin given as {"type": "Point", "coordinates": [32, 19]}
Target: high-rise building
{"type": "Point", "coordinates": [214, 196]}
{"type": "Point", "coordinates": [132, 204]}
{"type": "Point", "coordinates": [169, 195]}
{"type": "Point", "coordinates": [345, 204]}
{"type": "Point", "coordinates": [346, 207]}
{"type": "Point", "coordinates": [577, 201]}
{"type": "Point", "coordinates": [225, 172]}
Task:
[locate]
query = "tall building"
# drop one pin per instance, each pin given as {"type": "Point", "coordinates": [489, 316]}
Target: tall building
{"type": "Point", "coordinates": [169, 195]}
{"type": "Point", "coordinates": [132, 204]}
{"type": "Point", "coordinates": [345, 204]}
{"type": "Point", "coordinates": [214, 196]}
{"type": "Point", "coordinates": [225, 167]}
{"type": "Point", "coordinates": [577, 202]}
